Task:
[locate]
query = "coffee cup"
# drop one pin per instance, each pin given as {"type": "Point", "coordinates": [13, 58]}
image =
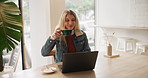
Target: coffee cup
{"type": "Point", "coordinates": [66, 32]}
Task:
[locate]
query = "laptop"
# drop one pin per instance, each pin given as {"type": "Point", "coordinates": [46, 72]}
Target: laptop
{"type": "Point", "coordinates": [80, 61]}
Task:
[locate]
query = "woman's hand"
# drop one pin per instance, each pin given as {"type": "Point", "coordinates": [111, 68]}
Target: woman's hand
{"type": "Point", "coordinates": [56, 34]}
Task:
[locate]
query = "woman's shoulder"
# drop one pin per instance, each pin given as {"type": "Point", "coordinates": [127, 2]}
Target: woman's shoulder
{"type": "Point", "coordinates": [82, 33]}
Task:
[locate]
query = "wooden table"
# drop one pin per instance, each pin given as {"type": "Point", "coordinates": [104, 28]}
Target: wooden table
{"type": "Point", "coordinates": [126, 66]}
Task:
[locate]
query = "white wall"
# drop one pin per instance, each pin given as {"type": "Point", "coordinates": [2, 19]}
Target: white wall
{"type": "Point", "coordinates": [114, 12]}
{"type": "Point", "coordinates": [139, 13]}
{"type": "Point", "coordinates": [39, 30]}
{"type": "Point", "coordinates": [40, 23]}
{"type": "Point", "coordinates": [123, 13]}
{"type": "Point", "coordinates": [57, 7]}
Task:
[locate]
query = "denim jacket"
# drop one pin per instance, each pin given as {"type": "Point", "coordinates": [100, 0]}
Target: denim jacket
{"type": "Point", "coordinates": [80, 42]}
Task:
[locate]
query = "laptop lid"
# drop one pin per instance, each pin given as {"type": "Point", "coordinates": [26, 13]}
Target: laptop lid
{"type": "Point", "coordinates": [80, 61]}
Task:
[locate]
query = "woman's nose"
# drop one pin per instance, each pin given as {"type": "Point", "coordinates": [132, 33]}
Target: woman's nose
{"type": "Point", "coordinates": [70, 22]}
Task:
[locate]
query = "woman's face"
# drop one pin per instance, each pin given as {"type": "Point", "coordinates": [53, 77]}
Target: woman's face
{"type": "Point", "coordinates": [70, 22]}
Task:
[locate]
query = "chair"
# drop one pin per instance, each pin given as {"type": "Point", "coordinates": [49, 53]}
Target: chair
{"type": "Point", "coordinates": [126, 44]}
{"type": "Point", "coordinates": [141, 47]}
{"type": "Point", "coordinates": [52, 53]}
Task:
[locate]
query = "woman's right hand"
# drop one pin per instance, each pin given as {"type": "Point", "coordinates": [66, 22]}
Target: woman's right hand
{"type": "Point", "coordinates": [56, 34]}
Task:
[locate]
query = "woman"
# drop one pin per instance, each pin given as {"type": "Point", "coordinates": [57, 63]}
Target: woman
{"type": "Point", "coordinates": [76, 42]}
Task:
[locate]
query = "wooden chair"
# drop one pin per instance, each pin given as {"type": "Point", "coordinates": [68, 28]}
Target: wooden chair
{"type": "Point", "coordinates": [52, 53]}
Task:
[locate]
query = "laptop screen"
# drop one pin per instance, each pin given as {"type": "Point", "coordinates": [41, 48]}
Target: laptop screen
{"type": "Point", "coordinates": [79, 61]}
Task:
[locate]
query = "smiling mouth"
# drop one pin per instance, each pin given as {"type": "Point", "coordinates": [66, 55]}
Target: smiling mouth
{"type": "Point", "coordinates": [70, 26]}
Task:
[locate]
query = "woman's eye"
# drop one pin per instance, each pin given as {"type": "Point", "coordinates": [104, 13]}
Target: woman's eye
{"type": "Point", "coordinates": [74, 20]}
{"type": "Point", "coordinates": [67, 20]}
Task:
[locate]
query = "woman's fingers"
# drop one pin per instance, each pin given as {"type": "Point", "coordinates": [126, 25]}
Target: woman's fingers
{"type": "Point", "coordinates": [58, 33]}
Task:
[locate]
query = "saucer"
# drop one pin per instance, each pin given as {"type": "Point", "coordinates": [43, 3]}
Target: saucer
{"type": "Point", "coordinates": [53, 68]}
{"type": "Point", "coordinates": [49, 70]}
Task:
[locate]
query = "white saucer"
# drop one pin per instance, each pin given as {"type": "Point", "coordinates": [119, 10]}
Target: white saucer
{"type": "Point", "coordinates": [53, 68]}
{"type": "Point", "coordinates": [49, 70]}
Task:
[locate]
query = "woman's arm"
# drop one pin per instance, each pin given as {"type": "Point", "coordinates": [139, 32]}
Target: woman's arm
{"type": "Point", "coordinates": [48, 46]}
{"type": "Point", "coordinates": [50, 43]}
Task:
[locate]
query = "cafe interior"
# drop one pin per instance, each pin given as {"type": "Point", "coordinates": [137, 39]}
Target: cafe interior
{"type": "Point", "coordinates": [117, 29]}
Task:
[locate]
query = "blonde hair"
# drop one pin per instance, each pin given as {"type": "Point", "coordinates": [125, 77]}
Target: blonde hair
{"type": "Point", "coordinates": [61, 25]}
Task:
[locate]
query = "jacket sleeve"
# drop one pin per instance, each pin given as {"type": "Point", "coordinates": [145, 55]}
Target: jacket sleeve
{"type": "Point", "coordinates": [86, 45]}
{"type": "Point", "coordinates": [48, 46]}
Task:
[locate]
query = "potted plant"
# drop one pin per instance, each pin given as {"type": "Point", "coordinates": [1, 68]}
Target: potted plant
{"type": "Point", "coordinates": [10, 27]}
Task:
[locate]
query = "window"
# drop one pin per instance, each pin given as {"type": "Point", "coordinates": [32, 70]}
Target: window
{"type": "Point", "coordinates": [85, 10]}
{"type": "Point", "coordinates": [26, 22]}
{"type": "Point", "coordinates": [26, 18]}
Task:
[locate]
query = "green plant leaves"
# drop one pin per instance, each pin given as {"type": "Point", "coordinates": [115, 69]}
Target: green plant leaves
{"type": "Point", "coordinates": [10, 25]}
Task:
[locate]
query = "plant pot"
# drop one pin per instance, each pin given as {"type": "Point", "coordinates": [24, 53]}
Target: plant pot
{"type": "Point", "coordinates": [109, 50]}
